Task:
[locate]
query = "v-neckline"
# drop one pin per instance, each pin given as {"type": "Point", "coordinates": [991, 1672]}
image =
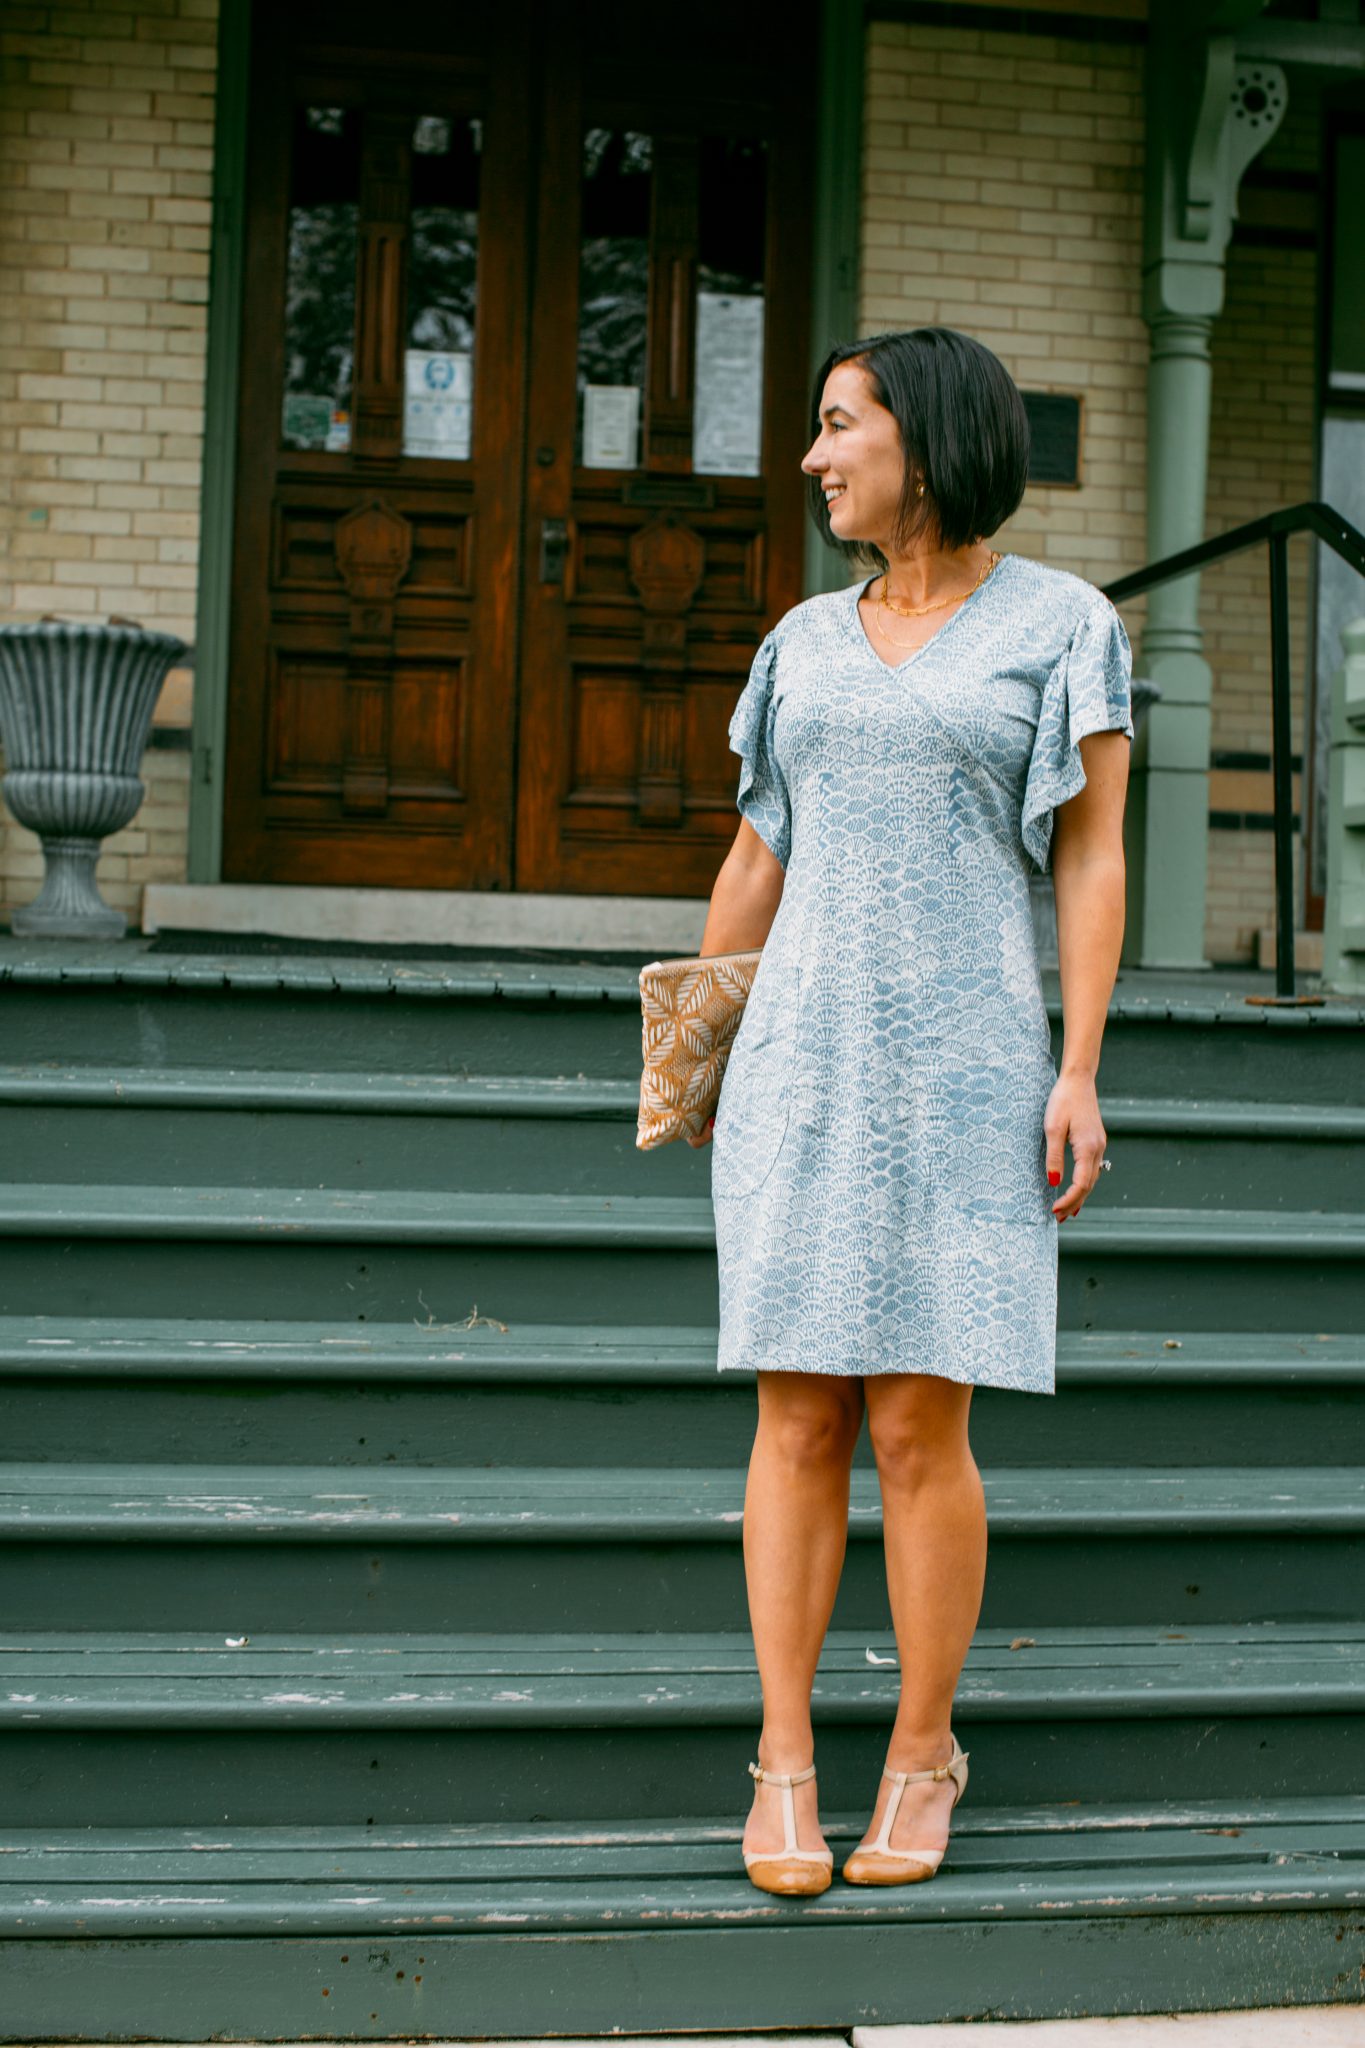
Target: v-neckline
{"type": "Point", "coordinates": [860, 590]}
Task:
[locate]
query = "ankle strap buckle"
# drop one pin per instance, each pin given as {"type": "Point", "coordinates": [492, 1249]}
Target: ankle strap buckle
{"type": "Point", "coordinates": [760, 1776]}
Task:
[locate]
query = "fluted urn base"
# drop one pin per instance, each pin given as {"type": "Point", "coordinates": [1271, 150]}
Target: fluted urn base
{"type": "Point", "coordinates": [76, 704]}
{"type": "Point", "coordinates": [69, 906]}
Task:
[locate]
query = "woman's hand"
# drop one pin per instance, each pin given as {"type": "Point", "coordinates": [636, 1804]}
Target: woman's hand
{"type": "Point", "coordinates": [705, 1138]}
{"type": "Point", "coordinates": [1073, 1115]}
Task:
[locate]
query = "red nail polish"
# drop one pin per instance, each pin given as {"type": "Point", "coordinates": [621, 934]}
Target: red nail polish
{"type": "Point", "coordinates": [1054, 1180]}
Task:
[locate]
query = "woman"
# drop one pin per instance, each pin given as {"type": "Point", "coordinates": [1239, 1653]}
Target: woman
{"type": "Point", "coordinates": [890, 1137]}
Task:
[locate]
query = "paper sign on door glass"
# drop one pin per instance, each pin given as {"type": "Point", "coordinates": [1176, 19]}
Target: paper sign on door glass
{"type": "Point", "coordinates": [611, 426]}
{"type": "Point", "coordinates": [436, 404]}
{"type": "Point", "coordinates": [727, 416]}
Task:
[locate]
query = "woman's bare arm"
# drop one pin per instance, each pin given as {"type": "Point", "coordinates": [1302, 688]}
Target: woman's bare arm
{"type": "Point", "coordinates": [746, 895]}
{"type": "Point", "coordinates": [1088, 881]}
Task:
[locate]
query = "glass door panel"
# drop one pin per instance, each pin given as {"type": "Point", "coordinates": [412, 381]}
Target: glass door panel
{"type": "Point", "coordinates": [671, 302]}
{"type": "Point", "coordinates": [443, 252]}
{"type": "Point", "coordinates": [320, 279]}
{"type": "Point", "coordinates": [346, 205]}
{"type": "Point", "coordinates": [732, 212]}
{"type": "Point", "coordinates": [613, 297]}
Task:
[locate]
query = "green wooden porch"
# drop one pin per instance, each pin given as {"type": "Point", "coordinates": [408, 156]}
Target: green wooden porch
{"type": "Point", "coordinates": [376, 1660]}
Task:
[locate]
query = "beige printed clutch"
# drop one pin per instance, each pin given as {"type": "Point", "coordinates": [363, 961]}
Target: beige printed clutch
{"type": "Point", "coordinates": [691, 1011]}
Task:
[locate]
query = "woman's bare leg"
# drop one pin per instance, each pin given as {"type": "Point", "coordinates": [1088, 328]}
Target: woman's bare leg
{"type": "Point", "coordinates": [934, 1513]}
{"type": "Point", "coordinates": [795, 1534]}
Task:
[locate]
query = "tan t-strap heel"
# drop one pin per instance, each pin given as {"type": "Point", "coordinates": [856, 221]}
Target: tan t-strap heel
{"type": "Point", "coordinates": [799, 1871]}
{"type": "Point", "coordinates": [878, 1862]}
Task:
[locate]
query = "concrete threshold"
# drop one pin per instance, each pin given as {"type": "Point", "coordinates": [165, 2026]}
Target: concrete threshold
{"type": "Point", "coordinates": [1317, 2026]}
{"type": "Point", "coordinates": [429, 917]}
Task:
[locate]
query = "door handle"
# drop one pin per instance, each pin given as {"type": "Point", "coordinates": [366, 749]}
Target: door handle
{"type": "Point", "coordinates": [554, 548]}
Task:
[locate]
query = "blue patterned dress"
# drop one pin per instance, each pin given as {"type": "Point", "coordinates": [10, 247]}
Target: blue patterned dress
{"type": "Point", "coordinates": [878, 1162]}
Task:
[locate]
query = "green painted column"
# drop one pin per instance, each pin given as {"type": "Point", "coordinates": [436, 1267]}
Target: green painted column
{"type": "Point", "coordinates": [1166, 826]}
{"type": "Point", "coordinates": [217, 495]}
{"type": "Point", "coordinates": [1207, 115]}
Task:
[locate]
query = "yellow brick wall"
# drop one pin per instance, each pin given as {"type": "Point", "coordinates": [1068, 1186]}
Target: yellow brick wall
{"type": "Point", "coordinates": [1002, 194]}
{"type": "Point", "coordinates": [106, 143]}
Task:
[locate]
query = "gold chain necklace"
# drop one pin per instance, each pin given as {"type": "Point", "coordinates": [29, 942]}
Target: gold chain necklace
{"type": "Point", "coordinates": [885, 603]}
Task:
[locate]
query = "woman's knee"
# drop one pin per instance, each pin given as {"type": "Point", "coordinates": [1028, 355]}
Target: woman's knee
{"type": "Point", "coordinates": [809, 1421]}
{"type": "Point", "coordinates": [918, 1426]}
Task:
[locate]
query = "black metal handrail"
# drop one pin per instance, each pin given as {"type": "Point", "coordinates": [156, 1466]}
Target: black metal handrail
{"type": "Point", "coordinates": [1275, 530]}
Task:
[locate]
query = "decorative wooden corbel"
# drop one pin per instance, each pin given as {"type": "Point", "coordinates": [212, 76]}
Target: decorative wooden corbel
{"type": "Point", "coordinates": [373, 551]}
{"type": "Point", "coordinates": [1241, 105]}
{"type": "Point", "coordinates": [666, 559]}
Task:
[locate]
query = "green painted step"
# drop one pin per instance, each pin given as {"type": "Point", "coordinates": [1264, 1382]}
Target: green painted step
{"type": "Point", "coordinates": [283, 1548]}
{"type": "Point", "coordinates": [603, 1356]}
{"type": "Point", "coordinates": [486, 1931]}
{"type": "Point", "coordinates": [312, 1252]}
{"type": "Point", "coordinates": [431, 1017]}
{"type": "Point", "coordinates": [623, 1222]}
{"type": "Point", "coordinates": [1103, 1861]}
{"type": "Point", "coordinates": [243, 1392]}
{"type": "Point", "coordinates": [552, 1097]}
{"type": "Point", "coordinates": [154, 1729]}
{"type": "Point", "coordinates": [92, 1679]}
{"type": "Point", "coordinates": [530, 1133]}
{"type": "Point", "coordinates": [532, 1505]}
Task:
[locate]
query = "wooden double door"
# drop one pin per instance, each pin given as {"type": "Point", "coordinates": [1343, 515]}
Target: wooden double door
{"type": "Point", "coordinates": [524, 390]}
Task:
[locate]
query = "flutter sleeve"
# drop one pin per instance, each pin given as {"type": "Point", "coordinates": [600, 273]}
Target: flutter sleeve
{"type": "Point", "coordinates": [763, 797]}
{"type": "Point", "coordinates": [1089, 690]}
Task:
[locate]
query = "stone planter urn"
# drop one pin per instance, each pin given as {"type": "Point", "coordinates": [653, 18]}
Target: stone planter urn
{"type": "Point", "coordinates": [76, 706]}
{"type": "Point", "coordinates": [1041, 898]}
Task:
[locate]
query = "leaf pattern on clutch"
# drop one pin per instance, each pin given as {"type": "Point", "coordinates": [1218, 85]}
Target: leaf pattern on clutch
{"type": "Point", "coordinates": [691, 1010]}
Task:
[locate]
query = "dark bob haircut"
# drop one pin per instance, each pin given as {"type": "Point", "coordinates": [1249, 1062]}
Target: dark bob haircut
{"type": "Point", "coordinates": [963, 428]}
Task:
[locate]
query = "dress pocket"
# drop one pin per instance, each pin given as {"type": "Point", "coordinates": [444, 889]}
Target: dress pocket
{"type": "Point", "coordinates": [754, 1110]}
{"type": "Point", "coordinates": [994, 1145]}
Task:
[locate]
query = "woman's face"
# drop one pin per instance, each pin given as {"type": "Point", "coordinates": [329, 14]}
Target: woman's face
{"type": "Point", "coordinates": [858, 458]}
